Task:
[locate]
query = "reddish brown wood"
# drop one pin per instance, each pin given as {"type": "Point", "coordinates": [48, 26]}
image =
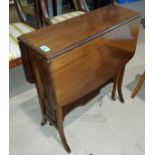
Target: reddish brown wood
{"type": "Point", "coordinates": [83, 58]}
{"type": "Point", "coordinates": [111, 18]}
{"type": "Point", "coordinates": [118, 81]}
{"type": "Point", "coordinates": [15, 63]}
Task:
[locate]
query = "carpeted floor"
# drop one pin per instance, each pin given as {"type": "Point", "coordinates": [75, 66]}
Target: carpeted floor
{"type": "Point", "coordinates": [102, 127]}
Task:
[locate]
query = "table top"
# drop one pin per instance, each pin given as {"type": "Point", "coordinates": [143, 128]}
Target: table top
{"type": "Point", "coordinates": [63, 37]}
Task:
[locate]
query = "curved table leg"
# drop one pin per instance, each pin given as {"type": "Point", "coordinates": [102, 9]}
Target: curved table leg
{"type": "Point", "coordinates": [118, 85]}
{"type": "Point", "coordinates": [120, 81]}
{"type": "Point", "coordinates": [61, 129]}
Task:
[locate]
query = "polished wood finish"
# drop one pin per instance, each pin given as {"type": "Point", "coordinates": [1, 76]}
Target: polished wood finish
{"type": "Point", "coordinates": [138, 86]}
{"type": "Point", "coordinates": [82, 59]}
{"type": "Point", "coordinates": [87, 29]}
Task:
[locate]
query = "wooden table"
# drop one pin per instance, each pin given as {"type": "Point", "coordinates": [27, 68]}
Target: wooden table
{"type": "Point", "coordinates": [71, 61]}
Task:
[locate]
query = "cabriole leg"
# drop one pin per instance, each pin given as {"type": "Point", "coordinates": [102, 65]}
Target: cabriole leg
{"type": "Point", "coordinates": [61, 129]}
{"type": "Point", "coordinates": [120, 81]}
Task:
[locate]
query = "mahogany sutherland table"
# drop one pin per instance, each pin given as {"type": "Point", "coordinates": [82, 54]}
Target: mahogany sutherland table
{"type": "Point", "coordinates": [71, 61]}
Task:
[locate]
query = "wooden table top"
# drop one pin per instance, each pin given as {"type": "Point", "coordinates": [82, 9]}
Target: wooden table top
{"type": "Point", "coordinates": [63, 37]}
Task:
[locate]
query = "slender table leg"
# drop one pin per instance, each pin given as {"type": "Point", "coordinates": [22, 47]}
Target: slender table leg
{"type": "Point", "coordinates": [113, 96]}
{"type": "Point", "coordinates": [139, 85]}
{"type": "Point", "coordinates": [120, 81]}
{"type": "Point", "coordinates": [42, 105]}
{"type": "Point", "coordinates": [118, 85]}
{"type": "Point", "coordinates": [61, 129]}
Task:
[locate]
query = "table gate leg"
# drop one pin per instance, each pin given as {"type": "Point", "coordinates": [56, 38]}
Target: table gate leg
{"type": "Point", "coordinates": [61, 129]}
{"type": "Point", "coordinates": [120, 81]}
{"type": "Point", "coordinates": [113, 96]}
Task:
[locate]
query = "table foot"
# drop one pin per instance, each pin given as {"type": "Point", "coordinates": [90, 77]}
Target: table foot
{"type": "Point", "coordinates": [113, 96]}
{"type": "Point", "coordinates": [118, 86]}
{"type": "Point", "coordinates": [61, 130]}
{"type": "Point", "coordinates": [44, 121]}
{"type": "Point", "coordinates": [120, 81]}
{"type": "Point", "coordinates": [51, 124]}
